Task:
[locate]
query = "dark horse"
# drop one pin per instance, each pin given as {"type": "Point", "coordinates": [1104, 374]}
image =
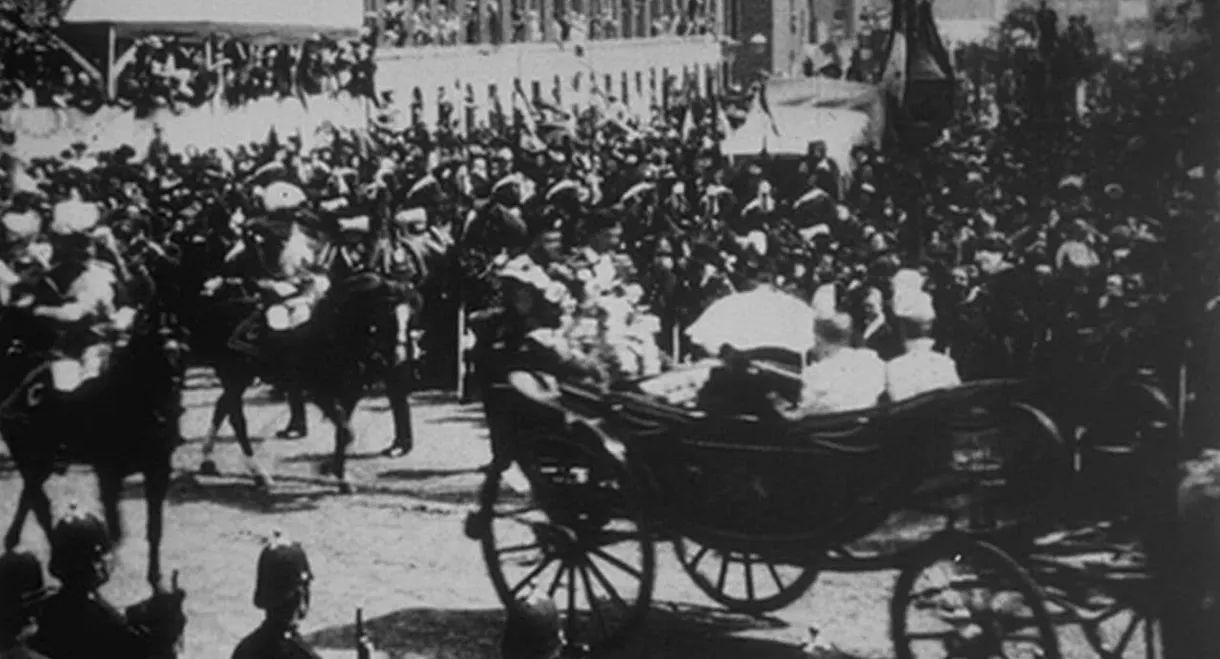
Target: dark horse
{"type": "Point", "coordinates": [348, 341]}
{"type": "Point", "coordinates": [122, 422]}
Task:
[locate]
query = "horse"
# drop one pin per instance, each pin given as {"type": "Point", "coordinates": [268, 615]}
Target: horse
{"type": "Point", "coordinates": [349, 340]}
{"type": "Point", "coordinates": [135, 404]}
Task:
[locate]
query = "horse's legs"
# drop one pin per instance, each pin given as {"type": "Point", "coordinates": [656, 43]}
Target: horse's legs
{"type": "Point", "coordinates": [110, 486]}
{"type": "Point", "coordinates": [298, 421]}
{"type": "Point", "coordinates": [156, 489]}
{"type": "Point", "coordinates": [32, 500]}
{"type": "Point", "coordinates": [339, 412]}
{"type": "Point", "coordinates": [398, 391]}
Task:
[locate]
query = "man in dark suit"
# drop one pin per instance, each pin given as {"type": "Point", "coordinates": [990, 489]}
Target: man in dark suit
{"type": "Point", "coordinates": [877, 333]}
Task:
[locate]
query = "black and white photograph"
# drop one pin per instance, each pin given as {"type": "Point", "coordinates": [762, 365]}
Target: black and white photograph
{"type": "Point", "coordinates": [623, 329]}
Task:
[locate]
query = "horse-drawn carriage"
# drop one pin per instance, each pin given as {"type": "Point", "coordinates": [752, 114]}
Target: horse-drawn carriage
{"type": "Point", "coordinates": [757, 506]}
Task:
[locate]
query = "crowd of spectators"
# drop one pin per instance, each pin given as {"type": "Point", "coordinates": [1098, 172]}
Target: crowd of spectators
{"type": "Point", "coordinates": [1077, 212]}
{"type": "Point", "coordinates": [420, 24]}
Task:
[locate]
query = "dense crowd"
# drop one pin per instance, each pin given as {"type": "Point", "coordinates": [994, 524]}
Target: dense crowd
{"type": "Point", "coordinates": [419, 24]}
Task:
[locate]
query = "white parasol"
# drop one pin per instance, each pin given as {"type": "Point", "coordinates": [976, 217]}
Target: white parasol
{"type": "Point", "coordinates": [762, 318]}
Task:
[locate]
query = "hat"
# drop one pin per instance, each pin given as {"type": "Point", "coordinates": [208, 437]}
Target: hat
{"type": "Point", "coordinates": [638, 190]}
{"type": "Point", "coordinates": [992, 242]}
{"type": "Point", "coordinates": [359, 224]}
{"type": "Point", "coordinates": [282, 568]}
{"type": "Point", "coordinates": [1114, 191]}
{"type": "Point", "coordinates": [915, 306]}
{"type": "Point", "coordinates": [1072, 183]}
{"type": "Point", "coordinates": [282, 195]}
{"type": "Point", "coordinates": [74, 217]}
{"type": "Point", "coordinates": [532, 629]}
{"type": "Point", "coordinates": [563, 186]}
{"type": "Point", "coordinates": [21, 580]}
{"type": "Point", "coordinates": [21, 226]}
{"type": "Point", "coordinates": [411, 218]}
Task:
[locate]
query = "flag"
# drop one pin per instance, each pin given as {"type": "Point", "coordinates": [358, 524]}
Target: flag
{"type": "Point", "coordinates": [722, 119]}
{"type": "Point", "coordinates": [894, 71]}
{"type": "Point", "coordinates": [688, 123]}
{"type": "Point", "coordinates": [762, 102]}
{"type": "Point", "coordinates": [523, 108]}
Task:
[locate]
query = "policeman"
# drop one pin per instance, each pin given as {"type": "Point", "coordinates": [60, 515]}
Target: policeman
{"type": "Point", "coordinates": [21, 586]}
{"type": "Point", "coordinates": [282, 591]}
{"type": "Point", "coordinates": [532, 630]}
{"type": "Point", "coordinates": [77, 622]}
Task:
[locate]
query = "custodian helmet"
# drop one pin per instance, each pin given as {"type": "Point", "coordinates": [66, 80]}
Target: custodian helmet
{"type": "Point", "coordinates": [283, 570]}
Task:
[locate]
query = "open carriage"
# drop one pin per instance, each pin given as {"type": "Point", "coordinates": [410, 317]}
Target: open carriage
{"type": "Point", "coordinates": [755, 506]}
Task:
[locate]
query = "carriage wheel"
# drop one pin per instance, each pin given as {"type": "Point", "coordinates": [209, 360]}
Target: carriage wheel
{"type": "Point", "coordinates": [1121, 631]}
{"type": "Point", "coordinates": [574, 530]}
{"type": "Point", "coordinates": [741, 581]}
{"type": "Point", "coordinates": [966, 599]}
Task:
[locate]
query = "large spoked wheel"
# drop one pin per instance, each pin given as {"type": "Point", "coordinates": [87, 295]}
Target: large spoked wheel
{"type": "Point", "coordinates": [967, 599]}
{"type": "Point", "coordinates": [570, 524]}
{"type": "Point", "coordinates": [1123, 633]}
{"type": "Point", "coordinates": [741, 581]}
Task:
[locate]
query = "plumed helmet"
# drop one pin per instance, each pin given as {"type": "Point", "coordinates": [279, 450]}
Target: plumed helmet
{"type": "Point", "coordinates": [281, 195]}
{"type": "Point", "coordinates": [532, 628]}
{"type": "Point", "coordinates": [73, 217]}
{"type": "Point", "coordinates": [283, 569]}
{"type": "Point", "coordinates": [21, 226]}
{"type": "Point", "coordinates": [20, 581]}
{"type": "Point", "coordinates": [78, 542]}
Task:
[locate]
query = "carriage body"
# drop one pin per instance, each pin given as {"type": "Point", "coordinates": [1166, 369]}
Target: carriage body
{"type": "Point", "coordinates": [750, 489]}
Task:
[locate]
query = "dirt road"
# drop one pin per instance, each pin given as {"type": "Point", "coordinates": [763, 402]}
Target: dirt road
{"type": "Point", "coordinates": [396, 548]}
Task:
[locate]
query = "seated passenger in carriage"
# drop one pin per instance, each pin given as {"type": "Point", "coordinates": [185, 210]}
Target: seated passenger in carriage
{"type": "Point", "coordinates": [609, 323]}
{"type": "Point", "coordinates": [920, 368]}
{"type": "Point", "coordinates": [841, 378]}
{"type": "Point", "coordinates": [540, 311]}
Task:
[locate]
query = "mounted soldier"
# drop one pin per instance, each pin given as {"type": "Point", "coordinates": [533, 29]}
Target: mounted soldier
{"type": "Point", "coordinates": [280, 260]}
{"type": "Point", "coordinates": [79, 298]}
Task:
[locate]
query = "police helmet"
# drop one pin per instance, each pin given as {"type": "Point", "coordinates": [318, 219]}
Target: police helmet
{"type": "Point", "coordinates": [283, 571]}
{"type": "Point", "coordinates": [532, 629]}
{"type": "Point", "coordinates": [21, 582]}
{"type": "Point", "coordinates": [79, 542]}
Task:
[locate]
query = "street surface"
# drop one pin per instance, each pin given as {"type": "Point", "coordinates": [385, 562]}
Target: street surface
{"type": "Point", "coordinates": [396, 548]}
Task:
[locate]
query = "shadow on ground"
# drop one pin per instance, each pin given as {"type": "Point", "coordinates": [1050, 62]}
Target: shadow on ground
{"type": "Point", "coordinates": [240, 494]}
{"type": "Point", "coordinates": [672, 631]}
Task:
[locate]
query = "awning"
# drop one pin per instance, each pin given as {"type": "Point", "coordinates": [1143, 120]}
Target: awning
{"type": "Point", "coordinates": [281, 20]}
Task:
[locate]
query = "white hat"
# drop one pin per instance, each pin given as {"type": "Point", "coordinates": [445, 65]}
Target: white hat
{"type": "Point", "coordinates": [907, 279]}
{"type": "Point", "coordinates": [21, 226]}
{"type": "Point", "coordinates": [825, 301]}
{"type": "Point", "coordinates": [411, 217]}
{"type": "Point", "coordinates": [915, 306]}
{"type": "Point", "coordinates": [281, 196]}
{"type": "Point", "coordinates": [638, 189]}
{"type": "Point", "coordinates": [565, 184]}
{"type": "Point", "coordinates": [354, 224]}
{"type": "Point", "coordinates": [71, 217]}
